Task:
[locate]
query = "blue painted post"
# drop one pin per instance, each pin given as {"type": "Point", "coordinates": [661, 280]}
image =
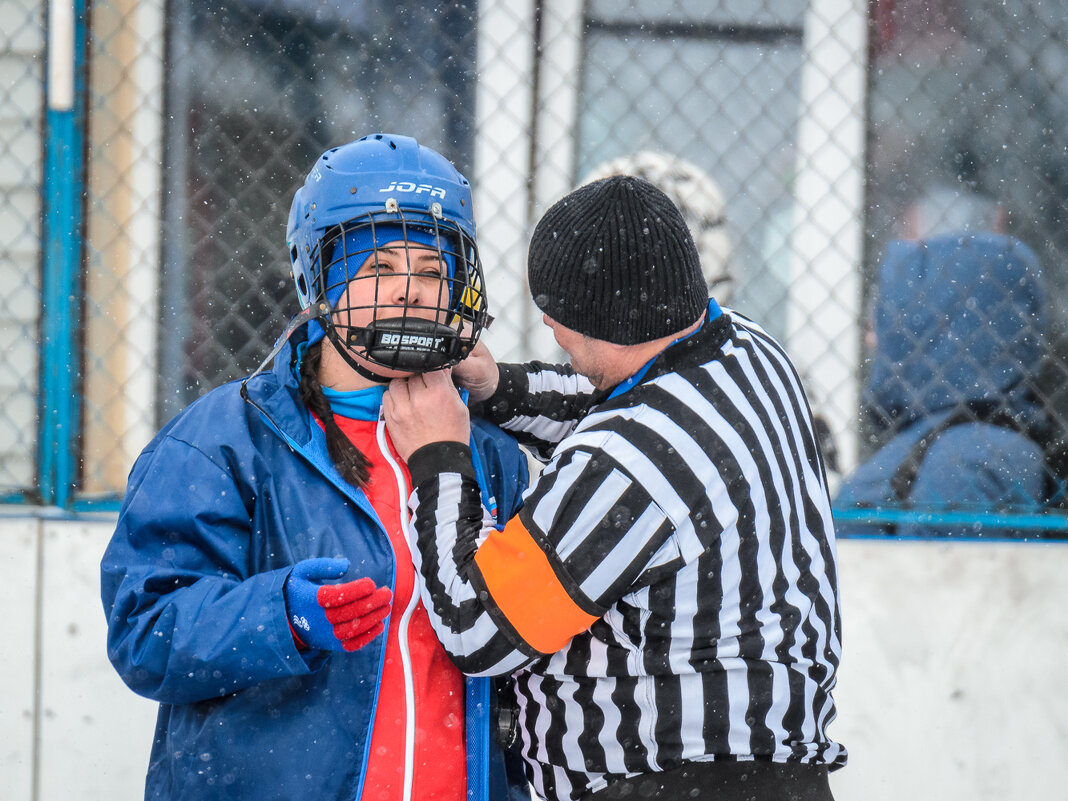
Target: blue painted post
{"type": "Point", "coordinates": [62, 233]}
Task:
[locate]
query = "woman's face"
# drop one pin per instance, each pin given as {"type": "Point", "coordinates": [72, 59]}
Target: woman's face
{"type": "Point", "coordinates": [400, 279]}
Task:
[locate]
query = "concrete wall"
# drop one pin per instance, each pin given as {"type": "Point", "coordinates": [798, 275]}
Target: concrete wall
{"type": "Point", "coordinates": [69, 727]}
{"type": "Point", "coordinates": [950, 686]}
{"type": "Point", "coordinates": [952, 681]}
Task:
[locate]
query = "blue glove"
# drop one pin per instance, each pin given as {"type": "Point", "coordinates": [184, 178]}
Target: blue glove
{"type": "Point", "coordinates": [333, 617]}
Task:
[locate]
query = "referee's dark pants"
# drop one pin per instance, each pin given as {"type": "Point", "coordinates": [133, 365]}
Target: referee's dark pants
{"type": "Point", "coordinates": [758, 780]}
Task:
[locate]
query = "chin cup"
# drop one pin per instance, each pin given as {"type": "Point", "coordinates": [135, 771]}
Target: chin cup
{"type": "Point", "coordinates": [409, 343]}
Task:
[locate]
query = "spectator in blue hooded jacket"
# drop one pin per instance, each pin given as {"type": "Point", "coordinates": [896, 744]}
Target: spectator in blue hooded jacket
{"type": "Point", "coordinates": [957, 337]}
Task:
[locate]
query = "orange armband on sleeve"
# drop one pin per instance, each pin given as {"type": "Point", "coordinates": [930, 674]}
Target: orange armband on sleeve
{"type": "Point", "coordinates": [526, 590]}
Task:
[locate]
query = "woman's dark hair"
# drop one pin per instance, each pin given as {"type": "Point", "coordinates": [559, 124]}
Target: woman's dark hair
{"type": "Point", "coordinates": [347, 458]}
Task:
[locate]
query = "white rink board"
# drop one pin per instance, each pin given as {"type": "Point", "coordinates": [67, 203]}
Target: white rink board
{"type": "Point", "coordinates": [952, 680]}
{"type": "Point", "coordinates": [949, 686]}
{"type": "Point", "coordinates": [18, 587]}
{"type": "Point", "coordinates": [95, 734]}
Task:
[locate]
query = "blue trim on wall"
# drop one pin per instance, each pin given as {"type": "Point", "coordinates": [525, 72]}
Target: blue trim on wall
{"type": "Point", "coordinates": [109, 503]}
{"type": "Point", "coordinates": [1037, 521]}
{"type": "Point", "coordinates": [62, 248]}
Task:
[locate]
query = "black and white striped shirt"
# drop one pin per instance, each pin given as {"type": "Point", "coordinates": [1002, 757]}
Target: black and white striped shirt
{"type": "Point", "coordinates": [669, 590]}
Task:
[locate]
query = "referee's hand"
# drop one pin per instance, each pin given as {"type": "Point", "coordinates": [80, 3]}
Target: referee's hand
{"type": "Point", "coordinates": [423, 409]}
{"type": "Point", "coordinates": [478, 373]}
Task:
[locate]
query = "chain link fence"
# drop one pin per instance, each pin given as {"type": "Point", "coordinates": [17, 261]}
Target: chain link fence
{"type": "Point", "coordinates": [802, 139]}
{"type": "Point", "coordinates": [21, 101]}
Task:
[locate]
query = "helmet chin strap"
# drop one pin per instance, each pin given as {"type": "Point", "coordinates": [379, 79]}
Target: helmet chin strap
{"type": "Point", "coordinates": [314, 312]}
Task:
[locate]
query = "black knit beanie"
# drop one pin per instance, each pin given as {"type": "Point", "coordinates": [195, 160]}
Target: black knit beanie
{"type": "Point", "coordinates": [615, 261]}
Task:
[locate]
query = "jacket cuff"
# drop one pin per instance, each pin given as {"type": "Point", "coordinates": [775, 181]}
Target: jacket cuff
{"type": "Point", "coordinates": [441, 457]}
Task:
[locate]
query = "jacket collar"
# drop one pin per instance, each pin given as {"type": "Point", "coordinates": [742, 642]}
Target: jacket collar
{"type": "Point", "coordinates": [276, 393]}
{"type": "Point", "coordinates": [689, 351]}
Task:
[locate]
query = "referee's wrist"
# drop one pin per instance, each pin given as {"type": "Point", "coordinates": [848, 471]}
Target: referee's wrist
{"type": "Point", "coordinates": [511, 384]}
{"type": "Point", "coordinates": [431, 460]}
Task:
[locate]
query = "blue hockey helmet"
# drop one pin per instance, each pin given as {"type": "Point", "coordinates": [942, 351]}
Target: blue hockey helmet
{"type": "Point", "coordinates": [382, 189]}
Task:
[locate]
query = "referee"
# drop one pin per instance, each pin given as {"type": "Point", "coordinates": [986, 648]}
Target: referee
{"type": "Point", "coordinates": [666, 601]}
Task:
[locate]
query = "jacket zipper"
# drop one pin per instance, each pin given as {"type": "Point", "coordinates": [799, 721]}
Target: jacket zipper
{"type": "Point", "coordinates": [478, 702]}
{"type": "Point", "coordinates": [406, 616]}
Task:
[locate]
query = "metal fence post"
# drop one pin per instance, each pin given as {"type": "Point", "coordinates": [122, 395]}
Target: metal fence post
{"type": "Point", "coordinates": [62, 251]}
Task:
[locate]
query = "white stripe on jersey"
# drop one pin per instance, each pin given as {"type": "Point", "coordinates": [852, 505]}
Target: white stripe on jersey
{"type": "Point", "coordinates": [658, 485]}
{"type": "Point", "coordinates": [545, 515]}
{"type": "Point", "coordinates": [543, 428]}
{"type": "Point", "coordinates": [634, 541]}
{"type": "Point", "coordinates": [541, 381]}
{"type": "Point", "coordinates": [603, 499]}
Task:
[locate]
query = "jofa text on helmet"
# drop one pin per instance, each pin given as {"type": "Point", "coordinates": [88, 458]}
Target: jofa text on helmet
{"type": "Point", "coordinates": [419, 189]}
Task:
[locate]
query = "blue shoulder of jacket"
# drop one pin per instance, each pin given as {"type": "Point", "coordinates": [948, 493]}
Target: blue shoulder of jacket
{"type": "Point", "coordinates": [223, 420]}
{"type": "Point", "coordinates": [504, 464]}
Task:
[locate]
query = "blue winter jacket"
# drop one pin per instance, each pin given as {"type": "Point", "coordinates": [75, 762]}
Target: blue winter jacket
{"type": "Point", "coordinates": [219, 507]}
{"type": "Point", "coordinates": [959, 323]}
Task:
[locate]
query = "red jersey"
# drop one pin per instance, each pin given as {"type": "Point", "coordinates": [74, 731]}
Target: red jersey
{"type": "Point", "coordinates": [417, 742]}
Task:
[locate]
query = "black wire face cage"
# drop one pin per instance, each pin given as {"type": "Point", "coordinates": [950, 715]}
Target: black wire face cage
{"type": "Point", "coordinates": [404, 291]}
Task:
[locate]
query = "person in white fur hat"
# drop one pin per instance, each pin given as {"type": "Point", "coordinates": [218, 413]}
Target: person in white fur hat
{"type": "Point", "coordinates": [700, 200]}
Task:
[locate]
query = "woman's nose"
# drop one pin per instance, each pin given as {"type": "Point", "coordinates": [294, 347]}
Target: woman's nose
{"type": "Point", "coordinates": [401, 289]}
